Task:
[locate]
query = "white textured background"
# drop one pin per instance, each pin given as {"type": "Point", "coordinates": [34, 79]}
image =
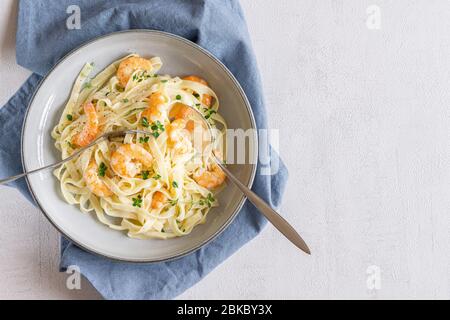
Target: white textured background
{"type": "Point", "coordinates": [364, 118]}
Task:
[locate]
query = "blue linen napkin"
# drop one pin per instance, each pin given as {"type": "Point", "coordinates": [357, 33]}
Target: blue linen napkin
{"type": "Point", "coordinates": [217, 25]}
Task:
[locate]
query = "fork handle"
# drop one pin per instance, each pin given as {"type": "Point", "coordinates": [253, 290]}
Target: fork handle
{"type": "Point", "coordinates": [274, 217]}
{"type": "Point", "coordinates": [5, 181]}
{"type": "Point", "coordinates": [9, 179]}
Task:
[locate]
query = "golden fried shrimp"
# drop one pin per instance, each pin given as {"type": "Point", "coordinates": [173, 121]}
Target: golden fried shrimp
{"type": "Point", "coordinates": [96, 185]}
{"type": "Point", "coordinates": [210, 179]}
{"type": "Point", "coordinates": [206, 99]}
{"type": "Point", "coordinates": [90, 129]}
{"type": "Point", "coordinates": [158, 200]}
{"type": "Point", "coordinates": [128, 160]}
{"type": "Point", "coordinates": [130, 65]}
{"type": "Point", "coordinates": [156, 110]}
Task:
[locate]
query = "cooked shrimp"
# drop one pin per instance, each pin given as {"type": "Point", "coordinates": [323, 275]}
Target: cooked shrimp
{"type": "Point", "coordinates": [178, 136]}
{"type": "Point", "coordinates": [196, 79]}
{"type": "Point", "coordinates": [158, 200]}
{"type": "Point", "coordinates": [90, 129]}
{"type": "Point", "coordinates": [93, 181]}
{"type": "Point", "coordinates": [175, 130]}
{"type": "Point", "coordinates": [156, 110]}
{"type": "Point", "coordinates": [181, 111]}
{"type": "Point", "coordinates": [128, 160]}
{"type": "Point", "coordinates": [156, 98]}
{"type": "Point", "coordinates": [130, 65]}
{"type": "Point", "coordinates": [206, 99]}
{"type": "Point", "coordinates": [210, 179]}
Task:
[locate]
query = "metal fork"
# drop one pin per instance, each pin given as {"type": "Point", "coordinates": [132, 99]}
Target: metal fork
{"type": "Point", "coordinates": [274, 217]}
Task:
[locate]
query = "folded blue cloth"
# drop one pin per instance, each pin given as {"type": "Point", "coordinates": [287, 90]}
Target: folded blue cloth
{"type": "Point", "coordinates": [218, 26]}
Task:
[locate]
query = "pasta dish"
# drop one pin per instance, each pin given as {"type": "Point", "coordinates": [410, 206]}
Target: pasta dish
{"type": "Point", "coordinates": [156, 185]}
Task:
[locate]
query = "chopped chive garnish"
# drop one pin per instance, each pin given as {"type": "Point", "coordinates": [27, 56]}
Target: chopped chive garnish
{"type": "Point", "coordinates": [174, 184]}
{"type": "Point", "coordinates": [137, 202]}
{"type": "Point", "coordinates": [125, 100]}
{"type": "Point", "coordinates": [102, 169]}
{"type": "Point", "coordinates": [209, 113]}
{"type": "Point", "coordinates": [173, 202]}
{"type": "Point", "coordinates": [178, 97]}
{"type": "Point", "coordinates": [144, 122]}
{"type": "Point", "coordinates": [157, 128]}
{"type": "Point", "coordinates": [163, 81]}
{"type": "Point", "coordinates": [196, 95]}
{"type": "Point", "coordinates": [144, 139]}
{"type": "Point", "coordinates": [145, 174]}
{"type": "Point", "coordinates": [69, 117]}
{"type": "Point", "coordinates": [156, 177]}
{"type": "Point", "coordinates": [210, 199]}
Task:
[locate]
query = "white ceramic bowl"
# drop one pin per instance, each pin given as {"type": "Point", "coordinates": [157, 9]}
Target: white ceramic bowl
{"type": "Point", "coordinates": [180, 57]}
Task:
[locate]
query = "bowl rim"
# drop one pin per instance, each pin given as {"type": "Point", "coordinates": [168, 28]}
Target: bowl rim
{"type": "Point", "coordinates": [248, 109]}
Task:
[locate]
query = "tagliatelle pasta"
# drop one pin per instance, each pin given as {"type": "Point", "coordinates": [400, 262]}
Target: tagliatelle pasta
{"type": "Point", "coordinates": [154, 185]}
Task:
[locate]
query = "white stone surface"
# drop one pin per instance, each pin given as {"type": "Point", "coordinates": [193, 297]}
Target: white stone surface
{"type": "Point", "coordinates": [364, 119]}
